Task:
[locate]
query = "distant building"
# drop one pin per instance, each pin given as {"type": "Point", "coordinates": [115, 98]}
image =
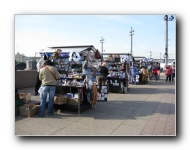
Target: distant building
{"type": "Point", "coordinates": [21, 61]}
{"type": "Point", "coordinates": [20, 57]}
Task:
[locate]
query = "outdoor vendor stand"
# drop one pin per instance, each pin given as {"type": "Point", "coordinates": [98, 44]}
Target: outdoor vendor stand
{"type": "Point", "coordinates": [76, 65]}
{"type": "Point", "coordinates": [118, 65]}
{"type": "Point", "coordinates": [140, 62]}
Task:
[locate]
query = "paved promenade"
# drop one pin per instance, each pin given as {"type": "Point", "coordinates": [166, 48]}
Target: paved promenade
{"type": "Point", "coordinates": [145, 110]}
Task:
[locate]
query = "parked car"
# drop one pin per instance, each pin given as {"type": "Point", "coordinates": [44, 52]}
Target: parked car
{"type": "Point", "coordinates": [20, 66]}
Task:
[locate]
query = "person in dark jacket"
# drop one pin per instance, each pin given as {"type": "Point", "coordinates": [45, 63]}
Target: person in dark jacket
{"type": "Point", "coordinates": [155, 72]}
{"type": "Point", "coordinates": [103, 75]}
{"type": "Point", "coordinates": [173, 72]}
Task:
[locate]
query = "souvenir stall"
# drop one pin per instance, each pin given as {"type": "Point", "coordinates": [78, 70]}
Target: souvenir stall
{"type": "Point", "coordinates": [141, 64]}
{"type": "Point", "coordinates": [118, 65]}
{"type": "Point", "coordinates": [77, 65]}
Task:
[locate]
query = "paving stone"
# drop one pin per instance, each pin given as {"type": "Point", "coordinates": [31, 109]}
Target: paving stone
{"type": "Point", "coordinates": [145, 110]}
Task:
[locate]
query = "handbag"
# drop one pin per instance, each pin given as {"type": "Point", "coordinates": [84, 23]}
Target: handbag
{"type": "Point", "coordinates": [40, 89]}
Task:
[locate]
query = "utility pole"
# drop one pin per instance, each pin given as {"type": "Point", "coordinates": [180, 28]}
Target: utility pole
{"type": "Point", "coordinates": [166, 47]}
{"type": "Point", "coordinates": [131, 34]}
{"type": "Point", "coordinates": [150, 54]}
{"type": "Point", "coordinates": [102, 41]}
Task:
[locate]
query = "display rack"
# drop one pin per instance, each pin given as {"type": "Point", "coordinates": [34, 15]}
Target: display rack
{"type": "Point", "coordinates": [76, 81]}
{"type": "Point", "coordinates": [118, 78]}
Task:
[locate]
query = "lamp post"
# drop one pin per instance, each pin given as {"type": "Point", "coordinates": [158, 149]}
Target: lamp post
{"type": "Point", "coordinates": [166, 18]}
{"type": "Point", "coordinates": [131, 34]}
{"type": "Point", "coordinates": [102, 41]}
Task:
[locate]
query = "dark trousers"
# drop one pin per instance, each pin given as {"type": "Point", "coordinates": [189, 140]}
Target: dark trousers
{"type": "Point", "coordinates": [173, 76]}
{"type": "Point", "coordinates": [155, 76]}
{"type": "Point", "coordinates": [101, 81]}
{"type": "Point", "coordinates": [38, 84]}
{"type": "Point", "coordinates": [140, 78]}
{"type": "Point", "coordinates": [168, 77]}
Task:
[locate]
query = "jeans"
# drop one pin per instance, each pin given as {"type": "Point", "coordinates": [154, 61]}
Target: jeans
{"type": "Point", "coordinates": [134, 80]}
{"type": "Point", "coordinates": [173, 76]}
{"type": "Point", "coordinates": [43, 96]}
{"type": "Point", "coordinates": [155, 76]}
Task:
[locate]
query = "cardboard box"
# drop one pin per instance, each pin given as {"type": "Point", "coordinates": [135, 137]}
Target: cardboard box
{"type": "Point", "coordinates": [72, 101]}
{"type": "Point", "coordinates": [29, 110]}
{"type": "Point", "coordinates": [61, 99]}
{"type": "Point", "coordinates": [25, 96]}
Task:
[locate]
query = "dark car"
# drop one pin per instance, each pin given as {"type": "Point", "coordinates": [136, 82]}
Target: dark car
{"type": "Point", "coordinates": [20, 66]}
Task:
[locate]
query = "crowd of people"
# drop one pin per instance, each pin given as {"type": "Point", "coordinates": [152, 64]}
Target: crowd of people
{"type": "Point", "coordinates": [46, 82]}
{"type": "Point", "coordinates": [151, 72]}
{"type": "Point", "coordinates": [48, 74]}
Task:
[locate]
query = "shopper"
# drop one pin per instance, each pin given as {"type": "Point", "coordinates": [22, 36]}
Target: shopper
{"type": "Point", "coordinates": [133, 74]}
{"type": "Point", "coordinates": [38, 66]}
{"type": "Point", "coordinates": [168, 73]}
{"type": "Point", "coordinates": [155, 72]}
{"type": "Point", "coordinates": [103, 75]}
{"type": "Point", "coordinates": [144, 75]}
{"type": "Point", "coordinates": [48, 75]}
{"type": "Point", "coordinates": [158, 71]}
{"type": "Point", "coordinates": [149, 72]}
{"type": "Point", "coordinates": [173, 72]}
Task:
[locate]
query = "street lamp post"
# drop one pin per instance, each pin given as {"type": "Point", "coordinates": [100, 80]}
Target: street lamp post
{"type": "Point", "coordinates": [131, 34]}
{"type": "Point", "coordinates": [102, 41]}
{"type": "Point", "coordinates": [166, 18]}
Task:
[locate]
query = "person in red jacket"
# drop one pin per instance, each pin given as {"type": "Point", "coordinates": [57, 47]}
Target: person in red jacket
{"type": "Point", "coordinates": [168, 73]}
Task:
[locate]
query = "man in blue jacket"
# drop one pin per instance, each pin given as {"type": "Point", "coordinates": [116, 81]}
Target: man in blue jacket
{"type": "Point", "coordinates": [133, 73]}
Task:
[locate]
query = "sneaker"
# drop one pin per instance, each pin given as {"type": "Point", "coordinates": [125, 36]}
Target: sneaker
{"type": "Point", "coordinates": [41, 115]}
{"type": "Point", "coordinates": [51, 114]}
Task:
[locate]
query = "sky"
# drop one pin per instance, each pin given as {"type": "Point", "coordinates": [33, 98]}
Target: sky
{"type": "Point", "coordinates": [36, 32]}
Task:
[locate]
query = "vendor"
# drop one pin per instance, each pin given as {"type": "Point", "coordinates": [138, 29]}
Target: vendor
{"type": "Point", "coordinates": [122, 67]}
{"type": "Point", "coordinates": [144, 75]}
{"type": "Point", "coordinates": [103, 75]}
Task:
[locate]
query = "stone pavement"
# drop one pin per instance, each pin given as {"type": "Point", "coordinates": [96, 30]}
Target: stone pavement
{"type": "Point", "coordinates": [146, 110]}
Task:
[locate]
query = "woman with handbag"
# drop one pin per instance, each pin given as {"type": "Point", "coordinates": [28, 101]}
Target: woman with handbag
{"type": "Point", "coordinates": [48, 75]}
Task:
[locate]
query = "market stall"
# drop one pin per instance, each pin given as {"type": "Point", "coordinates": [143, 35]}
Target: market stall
{"type": "Point", "coordinates": [77, 66]}
{"type": "Point", "coordinates": [141, 64]}
{"type": "Point", "coordinates": [118, 65]}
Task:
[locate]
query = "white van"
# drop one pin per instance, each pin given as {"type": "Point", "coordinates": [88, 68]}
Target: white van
{"type": "Point", "coordinates": [163, 65]}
